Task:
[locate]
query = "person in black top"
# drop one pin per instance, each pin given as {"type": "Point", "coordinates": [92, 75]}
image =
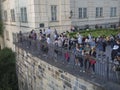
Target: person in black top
{"type": "Point", "coordinates": [118, 43]}
{"type": "Point", "coordinates": [115, 50]}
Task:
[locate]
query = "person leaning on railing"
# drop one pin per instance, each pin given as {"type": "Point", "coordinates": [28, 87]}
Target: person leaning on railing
{"type": "Point", "coordinates": [118, 59]}
{"type": "Point", "coordinates": [118, 54]}
{"type": "Point", "coordinates": [77, 54]}
{"type": "Point", "coordinates": [114, 52]}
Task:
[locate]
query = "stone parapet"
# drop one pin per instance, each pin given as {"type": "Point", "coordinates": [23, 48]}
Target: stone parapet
{"type": "Point", "coordinates": [39, 74]}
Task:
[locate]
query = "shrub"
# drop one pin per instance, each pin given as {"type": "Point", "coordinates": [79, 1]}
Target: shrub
{"type": "Point", "coordinates": [8, 78]}
{"type": "Point", "coordinates": [96, 33]}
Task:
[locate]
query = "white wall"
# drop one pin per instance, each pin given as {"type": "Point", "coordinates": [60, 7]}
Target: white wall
{"type": "Point", "coordinates": [13, 27]}
{"type": "Point", "coordinates": [91, 7]}
{"type": "Point", "coordinates": [43, 13]}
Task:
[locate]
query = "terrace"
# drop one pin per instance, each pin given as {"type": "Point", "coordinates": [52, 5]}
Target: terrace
{"type": "Point", "coordinates": [103, 68]}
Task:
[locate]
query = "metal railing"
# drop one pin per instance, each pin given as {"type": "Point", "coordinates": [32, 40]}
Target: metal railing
{"type": "Point", "coordinates": [104, 68]}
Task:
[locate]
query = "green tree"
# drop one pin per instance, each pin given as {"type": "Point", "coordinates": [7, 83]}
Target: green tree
{"type": "Point", "coordinates": [8, 77]}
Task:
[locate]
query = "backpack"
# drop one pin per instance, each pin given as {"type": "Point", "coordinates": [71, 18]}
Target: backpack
{"type": "Point", "coordinates": [77, 53]}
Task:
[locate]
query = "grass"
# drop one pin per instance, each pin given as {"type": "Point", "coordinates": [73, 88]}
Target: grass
{"type": "Point", "coordinates": [96, 33]}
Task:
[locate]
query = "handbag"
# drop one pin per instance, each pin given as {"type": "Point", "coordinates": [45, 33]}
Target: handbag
{"type": "Point", "coordinates": [92, 61]}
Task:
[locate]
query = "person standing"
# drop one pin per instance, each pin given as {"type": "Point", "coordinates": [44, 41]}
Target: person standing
{"type": "Point", "coordinates": [92, 62]}
{"type": "Point", "coordinates": [48, 32]}
{"type": "Point", "coordinates": [79, 39]}
{"type": "Point", "coordinates": [114, 52]}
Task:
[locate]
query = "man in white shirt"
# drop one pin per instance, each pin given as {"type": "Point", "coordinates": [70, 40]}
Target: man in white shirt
{"type": "Point", "coordinates": [80, 39]}
{"type": "Point", "coordinates": [48, 31]}
{"type": "Point", "coordinates": [48, 39]}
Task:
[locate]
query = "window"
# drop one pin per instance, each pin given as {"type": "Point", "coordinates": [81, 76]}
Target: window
{"type": "Point", "coordinates": [12, 15]}
{"type": "Point", "coordinates": [7, 35]}
{"type": "Point", "coordinates": [24, 15]}
{"type": "Point", "coordinates": [113, 12]}
{"type": "Point", "coordinates": [5, 16]}
{"type": "Point", "coordinates": [99, 12]}
{"type": "Point", "coordinates": [82, 12]}
{"type": "Point", "coordinates": [53, 12]}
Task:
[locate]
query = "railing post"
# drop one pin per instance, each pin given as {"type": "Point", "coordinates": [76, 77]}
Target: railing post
{"type": "Point", "coordinates": [107, 68]}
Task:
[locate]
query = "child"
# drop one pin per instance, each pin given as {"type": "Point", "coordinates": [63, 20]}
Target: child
{"type": "Point", "coordinates": [67, 56]}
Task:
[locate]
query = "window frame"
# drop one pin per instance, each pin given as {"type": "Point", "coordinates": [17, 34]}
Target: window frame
{"type": "Point", "coordinates": [82, 13]}
{"type": "Point", "coordinates": [53, 12]}
{"type": "Point", "coordinates": [24, 17]}
{"type": "Point", "coordinates": [5, 16]}
{"type": "Point", "coordinates": [12, 11]}
{"type": "Point", "coordinates": [99, 12]}
{"type": "Point", "coordinates": [7, 35]}
{"type": "Point", "coordinates": [113, 11]}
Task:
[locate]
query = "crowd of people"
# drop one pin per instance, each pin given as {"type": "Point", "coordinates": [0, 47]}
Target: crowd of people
{"type": "Point", "coordinates": [84, 47]}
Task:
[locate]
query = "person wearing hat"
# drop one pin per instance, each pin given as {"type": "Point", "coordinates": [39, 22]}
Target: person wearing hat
{"type": "Point", "coordinates": [114, 52]}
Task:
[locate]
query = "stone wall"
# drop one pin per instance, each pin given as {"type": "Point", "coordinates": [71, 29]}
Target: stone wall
{"type": "Point", "coordinates": [36, 74]}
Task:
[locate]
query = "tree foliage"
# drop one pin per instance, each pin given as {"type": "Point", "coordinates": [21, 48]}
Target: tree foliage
{"type": "Point", "coordinates": [8, 78]}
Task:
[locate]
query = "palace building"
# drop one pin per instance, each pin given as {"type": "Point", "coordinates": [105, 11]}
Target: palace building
{"type": "Point", "coordinates": [25, 15]}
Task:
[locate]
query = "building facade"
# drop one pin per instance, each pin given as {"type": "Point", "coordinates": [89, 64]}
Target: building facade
{"type": "Point", "coordinates": [105, 13]}
{"type": "Point", "coordinates": [25, 15]}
